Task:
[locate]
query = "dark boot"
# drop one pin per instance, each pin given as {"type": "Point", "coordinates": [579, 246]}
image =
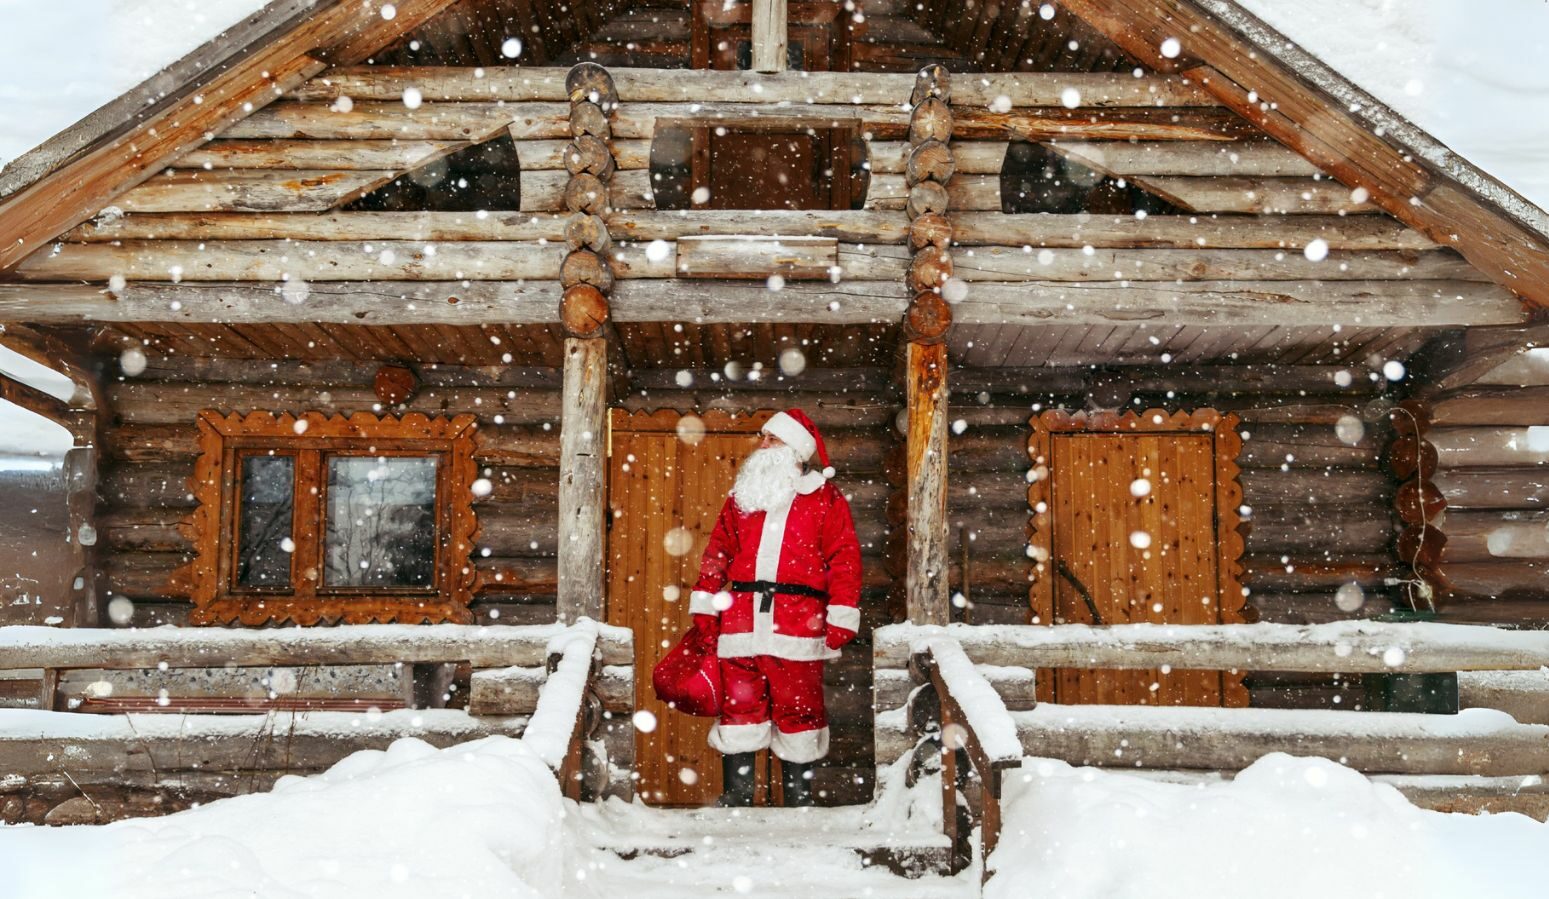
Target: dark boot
{"type": "Point", "coordinates": [737, 780]}
{"type": "Point", "coordinates": [796, 782]}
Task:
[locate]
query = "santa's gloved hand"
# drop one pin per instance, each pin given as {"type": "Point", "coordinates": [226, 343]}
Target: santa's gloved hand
{"type": "Point", "coordinates": [838, 636]}
{"type": "Point", "coordinates": [708, 625]}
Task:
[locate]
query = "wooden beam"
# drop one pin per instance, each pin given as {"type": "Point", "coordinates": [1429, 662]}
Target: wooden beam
{"type": "Point", "coordinates": [768, 30]}
{"type": "Point", "coordinates": [376, 120]}
{"type": "Point", "coordinates": [250, 190]}
{"type": "Point", "coordinates": [62, 199]}
{"type": "Point", "coordinates": [1345, 646]}
{"type": "Point", "coordinates": [583, 496]}
{"type": "Point", "coordinates": [644, 85]}
{"type": "Point", "coordinates": [858, 226]}
{"type": "Point", "coordinates": [488, 302]}
{"type": "Point", "coordinates": [751, 257]}
{"type": "Point", "coordinates": [926, 450]}
{"type": "Point", "coordinates": [327, 155]}
{"type": "Point", "coordinates": [1245, 159]}
{"type": "Point", "coordinates": [1306, 304]}
{"type": "Point", "coordinates": [1365, 304]}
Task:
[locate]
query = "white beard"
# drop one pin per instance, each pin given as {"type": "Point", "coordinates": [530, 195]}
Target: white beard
{"type": "Point", "coordinates": [767, 479]}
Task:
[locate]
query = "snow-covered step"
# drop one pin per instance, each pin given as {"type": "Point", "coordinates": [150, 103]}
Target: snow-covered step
{"type": "Point", "coordinates": [640, 851]}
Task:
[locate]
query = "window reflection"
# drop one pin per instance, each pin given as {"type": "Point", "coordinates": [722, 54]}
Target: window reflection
{"type": "Point", "coordinates": [381, 522]}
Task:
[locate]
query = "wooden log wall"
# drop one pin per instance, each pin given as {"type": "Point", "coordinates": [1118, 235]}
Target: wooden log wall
{"type": "Point", "coordinates": [1473, 459]}
{"type": "Point", "coordinates": [150, 448]}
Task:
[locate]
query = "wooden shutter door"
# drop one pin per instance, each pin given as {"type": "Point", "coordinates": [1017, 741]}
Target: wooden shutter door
{"type": "Point", "coordinates": [1135, 517]}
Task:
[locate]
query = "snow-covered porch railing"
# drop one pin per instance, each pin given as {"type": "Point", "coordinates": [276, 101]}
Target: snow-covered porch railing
{"type": "Point", "coordinates": [971, 719]}
{"type": "Point", "coordinates": [226, 748]}
{"type": "Point", "coordinates": [1484, 756]}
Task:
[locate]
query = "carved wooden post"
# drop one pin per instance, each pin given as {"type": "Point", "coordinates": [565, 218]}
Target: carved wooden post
{"type": "Point", "coordinates": [925, 324]}
{"type": "Point", "coordinates": [583, 313]}
{"type": "Point", "coordinates": [768, 35]}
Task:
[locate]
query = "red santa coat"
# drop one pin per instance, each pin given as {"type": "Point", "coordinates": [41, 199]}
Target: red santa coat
{"type": "Point", "coordinates": [811, 542]}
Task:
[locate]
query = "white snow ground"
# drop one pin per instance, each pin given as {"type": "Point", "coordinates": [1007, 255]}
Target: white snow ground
{"type": "Point", "coordinates": [485, 819]}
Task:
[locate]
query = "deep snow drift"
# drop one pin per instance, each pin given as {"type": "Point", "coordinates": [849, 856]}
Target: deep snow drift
{"type": "Point", "coordinates": [485, 819]}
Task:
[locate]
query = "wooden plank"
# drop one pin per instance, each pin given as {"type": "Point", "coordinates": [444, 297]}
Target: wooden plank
{"type": "Point", "coordinates": [1490, 447]}
{"type": "Point", "coordinates": [1361, 647]}
{"type": "Point", "coordinates": [768, 30]}
{"type": "Point", "coordinates": [969, 228]}
{"type": "Point", "coordinates": [1010, 263]}
{"type": "Point", "coordinates": [550, 121]}
{"type": "Point", "coordinates": [325, 155]}
{"type": "Point", "coordinates": [644, 85]}
{"type": "Point", "coordinates": [793, 258]}
{"type": "Point", "coordinates": [364, 644]}
{"type": "Point", "coordinates": [1243, 303]}
{"type": "Point", "coordinates": [926, 582]}
{"type": "Point", "coordinates": [1255, 196]}
{"type": "Point", "coordinates": [583, 481]}
{"type": "Point", "coordinates": [453, 302]}
{"type": "Point", "coordinates": [58, 201]}
{"type": "Point", "coordinates": [1245, 159]}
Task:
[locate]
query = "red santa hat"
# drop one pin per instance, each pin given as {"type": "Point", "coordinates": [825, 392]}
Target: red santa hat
{"type": "Point", "coordinates": [800, 434]}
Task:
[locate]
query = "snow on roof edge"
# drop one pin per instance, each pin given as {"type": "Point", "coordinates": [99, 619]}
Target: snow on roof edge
{"type": "Point", "coordinates": [1377, 116]}
{"type": "Point", "coordinates": [172, 82]}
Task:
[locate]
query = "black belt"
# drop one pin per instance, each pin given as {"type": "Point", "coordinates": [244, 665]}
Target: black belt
{"type": "Point", "coordinates": [767, 589]}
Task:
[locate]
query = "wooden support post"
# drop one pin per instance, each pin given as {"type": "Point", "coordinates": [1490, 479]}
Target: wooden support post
{"type": "Point", "coordinates": [769, 35]}
{"type": "Point", "coordinates": [583, 494]}
{"type": "Point", "coordinates": [925, 325]}
{"type": "Point", "coordinates": [926, 447]}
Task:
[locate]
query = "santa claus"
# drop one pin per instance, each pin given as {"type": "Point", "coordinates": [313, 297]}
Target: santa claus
{"type": "Point", "coordinates": [779, 584]}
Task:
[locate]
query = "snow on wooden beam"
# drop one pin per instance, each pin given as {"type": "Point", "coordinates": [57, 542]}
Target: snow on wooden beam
{"type": "Point", "coordinates": [36, 741]}
{"type": "Point", "coordinates": [195, 647]}
{"type": "Point", "coordinates": [1479, 743]}
{"type": "Point", "coordinates": [641, 85]}
{"type": "Point", "coordinates": [1346, 646]}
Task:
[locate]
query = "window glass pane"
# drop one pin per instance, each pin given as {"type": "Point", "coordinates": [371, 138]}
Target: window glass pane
{"type": "Point", "coordinates": [381, 527]}
{"type": "Point", "coordinates": [263, 533]}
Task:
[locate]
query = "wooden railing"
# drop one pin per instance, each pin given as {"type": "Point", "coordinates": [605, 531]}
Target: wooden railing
{"type": "Point", "coordinates": [562, 666]}
{"type": "Point", "coordinates": [1434, 758]}
{"type": "Point", "coordinates": [973, 721]}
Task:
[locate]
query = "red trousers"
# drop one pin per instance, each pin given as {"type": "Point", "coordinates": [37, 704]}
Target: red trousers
{"type": "Point", "coordinates": [772, 703]}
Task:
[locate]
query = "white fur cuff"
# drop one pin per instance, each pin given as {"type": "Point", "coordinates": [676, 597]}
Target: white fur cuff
{"type": "Point", "coordinates": [732, 738]}
{"type": "Point", "coordinates": [801, 747]}
{"type": "Point", "coordinates": [795, 436]}
{"type": "Point", "coordinates": [701, 602]}
{"type": "Point", "coordinates": [847, 617]}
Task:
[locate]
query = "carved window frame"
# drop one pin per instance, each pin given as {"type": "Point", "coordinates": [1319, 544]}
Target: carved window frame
{"type": "Point", "coordinates": [224, 440]}
{"type": "Point", "coordinates": [1227, 445]}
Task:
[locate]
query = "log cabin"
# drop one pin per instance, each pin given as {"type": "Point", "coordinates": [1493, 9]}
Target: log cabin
{"type": "Point", "coordinates": [461, 315]}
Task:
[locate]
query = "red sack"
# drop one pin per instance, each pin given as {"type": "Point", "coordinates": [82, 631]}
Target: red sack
{"type": "Point", "coordinates": [688, 678]}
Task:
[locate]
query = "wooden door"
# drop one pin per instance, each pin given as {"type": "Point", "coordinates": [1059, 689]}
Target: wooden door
{"type": "Point", "coordinates": [666, 486]}
{"type": "Point", "coordinates": [1134, 534]}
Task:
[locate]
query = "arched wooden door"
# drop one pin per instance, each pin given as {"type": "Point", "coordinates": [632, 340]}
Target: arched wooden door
{"type": "Point", "coordinates": [669, 475]}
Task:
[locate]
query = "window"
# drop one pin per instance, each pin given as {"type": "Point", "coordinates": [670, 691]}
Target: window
{"type": "Point", "coordinates": [317, 519]}
{"type": "Point", "coordinates": [750, 165]}
{"type": "Point", "coordinates": [1034, 178]}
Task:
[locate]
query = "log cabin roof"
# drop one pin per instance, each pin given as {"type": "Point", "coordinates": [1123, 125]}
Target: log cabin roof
{"type": "Point", "coordinates": [1229, 55]}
